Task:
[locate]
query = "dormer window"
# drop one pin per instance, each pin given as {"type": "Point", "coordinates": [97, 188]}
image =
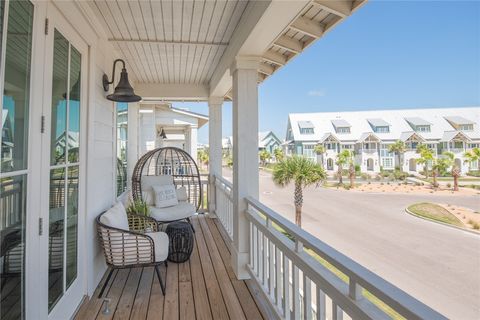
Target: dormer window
{"type": "Point", "coordinates": [306, 127]}
{"type": "Point", "coordinates": [419, 124]}
{"type": "Point", "coordinates": [460, 123]}
{"type": "Point", "coordinates": [379, 125]}
{"type": "Point", "coordinates": [341, 126]}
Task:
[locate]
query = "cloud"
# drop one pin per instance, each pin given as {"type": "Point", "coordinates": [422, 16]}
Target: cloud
{"type": "Point", "coordinates": [317, 93]}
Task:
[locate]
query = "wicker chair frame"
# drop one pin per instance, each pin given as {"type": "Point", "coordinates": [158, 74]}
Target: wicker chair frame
{"type": "Point", "coordinates": [169, 161]}
{"type": "Point", "coordinates": [129, 248]}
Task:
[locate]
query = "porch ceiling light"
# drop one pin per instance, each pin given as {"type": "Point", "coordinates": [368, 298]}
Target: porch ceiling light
{"type": "Point", "coordinates": [123, 91]}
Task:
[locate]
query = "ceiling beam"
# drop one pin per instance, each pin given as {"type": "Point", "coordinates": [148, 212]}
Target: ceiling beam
{"type": "Point", "coordinates": [266, 69]}
{"type": "Point", "coordinates": [275, 57]}
{"type": "Point", "coordinates": [289, 44]}
{"type": "Point", "coordinates": [170, 42]}
{"type": "Point", "coordinates": [172, 92]}
{"type": "Point", "coordinates": [309, 27]}
{"type": "Point", "coordinates": [342, 8]}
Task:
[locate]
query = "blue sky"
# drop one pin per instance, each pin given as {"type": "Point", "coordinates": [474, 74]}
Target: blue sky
{"type": "Point", "coordinates": [388, 54]}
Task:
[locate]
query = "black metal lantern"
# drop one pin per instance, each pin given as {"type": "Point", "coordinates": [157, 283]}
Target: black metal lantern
{"type": "Point", "coordinates": [163, 134]}
{"type": "Point", "coordinates": [123, 91]}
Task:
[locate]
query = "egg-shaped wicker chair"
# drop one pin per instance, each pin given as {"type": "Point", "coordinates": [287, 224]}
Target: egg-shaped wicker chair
{"type": "Point", "coordinates": [169, 161]}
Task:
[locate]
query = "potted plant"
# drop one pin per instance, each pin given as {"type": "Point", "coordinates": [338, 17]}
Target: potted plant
{"type": "Point", "coordinates": [139, 207]}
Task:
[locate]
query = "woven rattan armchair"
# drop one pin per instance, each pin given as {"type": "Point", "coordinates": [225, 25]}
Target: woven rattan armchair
{"type": "Point", "coordinates": [130, 248]}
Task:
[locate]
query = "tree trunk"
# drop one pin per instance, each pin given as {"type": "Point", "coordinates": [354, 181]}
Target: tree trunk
{"type": "Point", "coordinates": [298, 200]}
{"type": "Point", "coordinates": [434, 177]}
{"type": "Point", "coordinates": [455, 174]}
{"type": "Point", "coordinates": [352, 176]}
{"type": "Point", "coordinates": [400, 163]}
{"type": "Point", "coordinates": [340, 178]}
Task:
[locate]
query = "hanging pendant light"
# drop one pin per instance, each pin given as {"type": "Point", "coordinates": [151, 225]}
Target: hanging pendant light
{"type": "Point", "coordinates": [163, 135]}
{"type": "Point", "coordinates": [123, 91]}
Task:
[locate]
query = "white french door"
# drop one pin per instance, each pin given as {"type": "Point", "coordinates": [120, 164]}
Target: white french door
{"type": "Point", "coordinates": [63, 167]}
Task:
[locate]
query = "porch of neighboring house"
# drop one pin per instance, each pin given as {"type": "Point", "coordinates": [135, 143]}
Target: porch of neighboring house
{"type": "Point", "coordinates": [204, 287]}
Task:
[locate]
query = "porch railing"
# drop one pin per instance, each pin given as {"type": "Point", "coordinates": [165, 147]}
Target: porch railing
{"type": "Point", "coordinates": [224, 204]}
{"type": "Point", "coordinates": [11, 198]}
{"type": "Point", "coordinates": [304, 278]}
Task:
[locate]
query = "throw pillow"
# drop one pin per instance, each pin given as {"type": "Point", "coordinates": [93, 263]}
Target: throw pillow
{"type": "Point", "coordinates": [116, 217]}
{"type": "Point", "coordinates": [182, 194]}
{"type": "Point", "coordinates": [165, 196]}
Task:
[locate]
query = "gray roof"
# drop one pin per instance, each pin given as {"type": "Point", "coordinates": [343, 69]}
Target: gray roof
{"type": "Point", "coordinates": [340, 123]}
{"type": "Point", "coordinates": [377, 122]}
{"type": "Point", "coordinates": [459, 120]}
{"type": "Point", "coordinates": [416, 121]}
{"type": "Point", "coordinates": [449, 135]}
{"type": "Point", "coordinates": [365, 135]}
{"type": "Point", "coordinates": [404, 136]}
{"type": "Point", "coordinates": [305, 125]}
{"type": "Point", "coordinates": [326, 136]}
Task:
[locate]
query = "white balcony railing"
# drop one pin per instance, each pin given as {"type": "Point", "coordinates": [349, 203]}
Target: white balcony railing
{"type": "Point", "coordinates": [224, 204]}
{"type": "Point", "coordinates": [285, 262]}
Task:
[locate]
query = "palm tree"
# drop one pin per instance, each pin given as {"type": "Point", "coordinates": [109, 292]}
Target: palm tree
{"type": "Point", "coordinates": [426, 156]}
{"type": "Point", "coordinates": [472, 156]}
{"type": "Point", "coordinates": [399, 149]}
{"type": "Point", "coordinates": [303, 172]}
{"type": "Point", "coordinates": [320, 151]}
{"type": "Point", "coordinates": [449, 161]}
{"type": "Point", "coordinates": [351, 171]}
{"type": "Point", "coordinates": [264, 156]}
{"type": "Point", "coordinates": [343, 158]}
{"type": "Point", "coordinates": [279, 155]}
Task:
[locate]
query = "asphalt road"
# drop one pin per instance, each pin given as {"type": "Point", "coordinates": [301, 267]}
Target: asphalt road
{"type": "Point", "coordinates": [438, 265]}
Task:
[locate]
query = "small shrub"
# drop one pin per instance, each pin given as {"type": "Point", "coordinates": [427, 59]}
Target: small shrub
{"type": "Point", "coordinates": [378, 177]}
{"type": "Point", "coordinates": [475, 173]}
{"type": "Point", "coordinates": [369, 182]}
{"type": "Point", "coordinates": [382, 184]}
{"type": "Point", "coordinates": [449, 185]}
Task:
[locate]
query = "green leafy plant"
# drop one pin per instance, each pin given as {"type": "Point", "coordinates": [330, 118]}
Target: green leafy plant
{"type": "Point", "coordinates": [398, 148]}
{"type": "Point", "coordinates": [139, 207]}
{"type": "Point", "coordinates": [264, 157]}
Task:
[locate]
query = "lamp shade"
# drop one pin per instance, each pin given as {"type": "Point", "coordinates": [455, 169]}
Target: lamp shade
{"type": "Point", "coordinates": [123, 91]}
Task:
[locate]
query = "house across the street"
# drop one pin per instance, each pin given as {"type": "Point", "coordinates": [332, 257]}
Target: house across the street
{"type": "Point", "coordinates": [369, 134]}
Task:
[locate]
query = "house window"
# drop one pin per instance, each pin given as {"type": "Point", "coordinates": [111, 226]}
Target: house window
{"type": "Point", "coordinates": [423, 128]}
{"type": "Point", "coordinates": [466, 127]}
{"type": "Point", "coordinates": [308, 151]}
{"type": "Point", "coordinates": [330, 146]}
{"type": "Point", "coordinates": [347, 146]}
{"type": "Point", "coordinates": [306, 131]}
{"type": "Point", "coordinates": [343, 129]}
{"type": "Point", "coordinates": [122, 139]}
{"type": "Point", "coordinates": [387, 163]}
{"type": "Point", "coordinates": [382, 129]}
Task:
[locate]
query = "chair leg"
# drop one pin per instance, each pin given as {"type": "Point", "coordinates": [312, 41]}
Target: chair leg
{"type": "Point", "coordinates": [162, 285]}
{"type": "Point", "coordinates": [105, 283]}
{"type": "Point", "coordinates": [191, 225]}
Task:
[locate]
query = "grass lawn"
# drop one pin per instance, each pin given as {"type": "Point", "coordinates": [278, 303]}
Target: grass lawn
{"type": "Point", "coordinates": [435, 212]}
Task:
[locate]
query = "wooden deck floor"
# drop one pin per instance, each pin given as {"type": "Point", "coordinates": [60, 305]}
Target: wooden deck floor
{"type": "Point", "coordinates": [204, 287]}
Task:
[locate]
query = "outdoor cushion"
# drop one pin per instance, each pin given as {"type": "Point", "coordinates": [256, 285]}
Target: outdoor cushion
{"type": "Point", "coordinates": [160, 240]}
{"type": "Point", "coordinates": [182, 194]}
{"type": "Point", "coordinates": [148, 182]}
{"type": "Point", "coordinates": [182, 210]}
{"type": "Point", "coordinates": [165, 196]}
{"type": "Point", "coordinates": [116, 217]}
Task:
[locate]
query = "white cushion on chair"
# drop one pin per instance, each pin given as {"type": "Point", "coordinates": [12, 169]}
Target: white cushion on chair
{"type": "Point", "coordinates": [160, 240]}
{"type": "Point", "coordinates": [148, 182]}
{"type": "Point", "coordinates": [116, 217]}
{"type": "Point", "coordinates": [182, 210]}
{"type": "Point", "coordinates": [182, 194]}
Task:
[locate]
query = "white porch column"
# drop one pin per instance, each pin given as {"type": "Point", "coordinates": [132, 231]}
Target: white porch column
{"type": "Point", "coordinates": [147, 130]}
{"type": "Point", "coordinates": [245, 155]}
{"type": "Point", "coordinates": [214, 146]}
{"type": "Point", "coordinates": [192, 141]}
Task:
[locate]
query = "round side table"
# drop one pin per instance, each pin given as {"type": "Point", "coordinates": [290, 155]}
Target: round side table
{"type": "Point", "coordinates": [181, 239]}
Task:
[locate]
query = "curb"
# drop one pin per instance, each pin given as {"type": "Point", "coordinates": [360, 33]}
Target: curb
{"type": "Point", "coordinates": [441, 223]}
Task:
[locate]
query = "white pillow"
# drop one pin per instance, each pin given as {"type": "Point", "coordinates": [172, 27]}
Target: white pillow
{"type": "Point", "coordinates": [182, 194]}
{"type": "Point", "coordinates": [116, 217]}
{"type": "Point", "coordinates": [149, 181]}
{"type": "Point", "coordinates": [165, 196]}
{"type": "Point", "coordinates": [148, 197]}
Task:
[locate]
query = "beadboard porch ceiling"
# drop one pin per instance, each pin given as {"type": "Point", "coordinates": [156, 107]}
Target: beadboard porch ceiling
{"type": "Point", "coordinates": [193, 43]}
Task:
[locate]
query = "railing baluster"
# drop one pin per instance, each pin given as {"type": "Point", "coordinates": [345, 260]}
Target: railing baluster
{"type": "Point", "coordinates": [260, 256]}
{"type": "Point", "coordinates": [278, 277]}
{"type": "Point", "coordinates": [337, 312]}
{"type": "Point", "coordinates": [286, 287]}
{"type": "Point", "coordinates": [296, 292]}
{"type": "Point", "coordinates": [320, 304]}
{"type": "Point", "coordinates": [307, 297]}
{"type": "Point", "coordinates": [271, 269]}
{"type": "Point", "coordinates": [265, 260]}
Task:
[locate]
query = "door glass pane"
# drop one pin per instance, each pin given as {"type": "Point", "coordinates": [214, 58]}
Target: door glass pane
{"type": "Point", "coordinates": [74, 106]}
{"type": "Point", "coordinates": [12, 239]}
{"type": "Point", "coordinates": [16, 87]}
{"type": "Point", "coordinates": [122, 140]}
{"type": "Point", "coordinates": [59, 101]}
{"type": "Point", "coordinates": [56, 235]}
{"type": "Point", "coordinates": [72, 221]}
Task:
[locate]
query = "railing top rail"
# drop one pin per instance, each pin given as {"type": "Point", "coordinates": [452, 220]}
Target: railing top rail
{"type": "Point", "coordinates": [398, 299]}
{"type": "Point", "coordinates": [224, 181]}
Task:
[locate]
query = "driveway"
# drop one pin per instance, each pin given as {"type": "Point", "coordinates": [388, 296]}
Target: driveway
{"type": "Point", "coordinates": [439, 266]}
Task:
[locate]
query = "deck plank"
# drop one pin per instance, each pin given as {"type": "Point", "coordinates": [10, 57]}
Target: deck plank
{"type": "Point", "coordinates": [125, 304]}
{"type": "Point", "coordinates": [202, 304]}
{"type": "Point", "coordinates": [142, 299]}
{"type": "Point", "coordinates": [231, 300]}
{"type": "Point", "coordinates": [217, 304]}
{"type": "Point", "coordinates": [171, 305]}
{"type": "Point", "coordinates": [114, 292]}
{"type": "Point", "coordinates": [157, 299]}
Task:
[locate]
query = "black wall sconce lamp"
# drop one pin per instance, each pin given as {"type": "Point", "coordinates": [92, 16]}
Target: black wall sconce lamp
{"type": "Point", "coordinates": [163, 135]}
{"type": "Point", "coordinates": [123, 91]}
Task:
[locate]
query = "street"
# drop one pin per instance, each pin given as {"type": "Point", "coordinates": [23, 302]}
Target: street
{"type": "Point", "coordinates": [438, 265]}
